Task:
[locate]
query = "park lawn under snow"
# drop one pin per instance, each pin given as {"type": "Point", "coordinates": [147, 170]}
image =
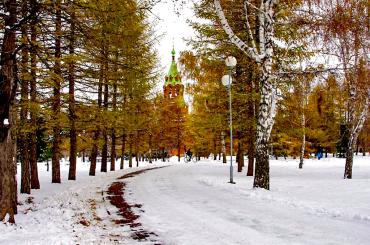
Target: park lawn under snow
{"type": "Point", "coordinates": [73, 212]}
{"type": "Point", "coordinates": [193, 204]}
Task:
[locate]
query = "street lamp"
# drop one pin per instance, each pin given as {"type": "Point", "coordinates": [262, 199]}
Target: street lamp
{"type": "Point", "coordinates": [226, 81]}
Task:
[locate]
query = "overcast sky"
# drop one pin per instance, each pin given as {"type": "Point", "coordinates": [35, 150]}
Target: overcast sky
{"type": "Point", "coordinates": [173, 27]}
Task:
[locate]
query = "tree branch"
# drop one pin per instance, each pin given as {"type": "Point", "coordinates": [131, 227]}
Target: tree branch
{"type": "Point", "coordinates": [249, 27]}
{"type": "Point", "coordinates": [233, 38]}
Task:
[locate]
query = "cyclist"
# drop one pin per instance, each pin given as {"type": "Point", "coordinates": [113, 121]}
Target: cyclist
{"type": "Point", "coordinates": [189, 154]}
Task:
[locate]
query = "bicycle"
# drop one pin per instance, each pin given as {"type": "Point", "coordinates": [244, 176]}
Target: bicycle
{"type": "Point", "coordinates": [188, 158]}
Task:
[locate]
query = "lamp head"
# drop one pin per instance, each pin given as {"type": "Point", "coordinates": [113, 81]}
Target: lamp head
{"type": "Point", "coordinates": [226, 79]}
{"type": "Point", "coordinates": [230, 61]}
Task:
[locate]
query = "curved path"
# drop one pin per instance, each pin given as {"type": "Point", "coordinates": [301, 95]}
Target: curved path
{"type": "Point", "coordinates": [194, 204]}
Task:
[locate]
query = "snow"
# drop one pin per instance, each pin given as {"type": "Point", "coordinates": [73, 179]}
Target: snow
{"type": "Point", "coordinates": [56, 210]}
{"type": "Point", "coordinates": [193, 204]}
{"type": "Point", "coordinates": [315, 205]}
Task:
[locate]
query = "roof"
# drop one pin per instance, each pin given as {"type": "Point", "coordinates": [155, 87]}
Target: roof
{"type": "Point", "coordinates": [173, 76]}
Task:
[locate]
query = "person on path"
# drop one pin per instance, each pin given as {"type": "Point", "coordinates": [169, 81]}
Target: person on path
{"type": "Point", "coordinates": [319, 152]}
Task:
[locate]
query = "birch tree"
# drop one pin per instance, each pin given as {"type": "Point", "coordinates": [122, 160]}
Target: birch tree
{"type": "Point", "coordinates": [344, 33]}
{"type": "Point", "coordinates": [303, 90]}
{"type": "Point", "coordinates": [260, 49]}
{"type": "Point", "coordinates": [358, 107]}
{"type": "Point", "coordinates": [303, 105]}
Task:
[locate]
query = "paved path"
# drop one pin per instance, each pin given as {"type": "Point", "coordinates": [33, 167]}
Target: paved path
{"type": "Point", "coordinates": [193, 204]}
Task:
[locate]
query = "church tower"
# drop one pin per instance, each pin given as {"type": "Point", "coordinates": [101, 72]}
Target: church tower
{"type": "Point", "coordinates": [174, 110]}
{"type": "Point", "coordinates": [173, 89]}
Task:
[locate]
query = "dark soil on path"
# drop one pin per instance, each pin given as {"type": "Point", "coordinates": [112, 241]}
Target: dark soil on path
{"type": "Point", "coordinates": [116, 193]}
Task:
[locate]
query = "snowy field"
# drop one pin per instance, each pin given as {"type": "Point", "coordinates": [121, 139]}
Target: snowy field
{"type": "Point", "coordinates": [193, 204]}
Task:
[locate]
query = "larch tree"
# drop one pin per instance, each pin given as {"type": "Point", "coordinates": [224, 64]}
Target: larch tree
{"type": "Point", "coordinates": [63, 41]}
{"type": "Point", "coordinates": [35, 183]}
{"type": "Point", "coordinates": [57, 83]}
{"type": "Point", "coordinates": [208, 119]}
{"type": "Point", "coordinates": [71, 95]}
{"type": "Point", "coordinates": [8, 85]}
{"type": "Point", "coordinates": [23, 133]}
{"type": "Point", "coordinates": [212, 45]}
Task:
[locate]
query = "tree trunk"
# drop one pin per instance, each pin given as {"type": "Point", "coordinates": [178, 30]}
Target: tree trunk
{"type": "Point", "coordinates": [239, 155]}
{"type": "Point", "coordinates": [105, 135]}
{"type": "Point", "coordinates": [94, 154]}
{"type": "Point", "coordinates": [35, 183]}
{"type": "Point", "coordinates": [8, 171]}
{"type": "Point", "coordinates": [104, 152]}
{"type": "Point", "coordinates": [303, 145]}
{"type": "Point", "coordinates": [303, 121]}
{"type": "Point", "coordinates": [8, 85]}
{"type": "Point", "coordinates": [136, 149]}
{"type": "Point", "coordinates": [178, 111]}
{"type": "Point", "coordinates": [178, 152]}
{"type": "Point", "coordinates": [261, 179]}
{"type": "Point", "coordinates": [123, 151]}
{"type": "Point", "coordinates": [242, 158]}
{"type": "Point", "coordinates": [223, 146]}
{"type": "Point", "coordinates": [150, 148]}
{"type": "Point", "coordinates": [114, 105]}
{"type": "Point", "coordinates": [25, 165]}
{"type": "Point", "coordinates": [214, 150]}
{"type": "Point", "coordinates": [130, 152]}
{"type": "Point", "coordinates": [163, 155]}
{"type": "Point", "coordinates": [130, 160]}
{"type": "Point", "coordinates": [251, 153]}
{"type": "Point", "coordinates": [250, 164]}
{"type": "Point", "coordinates": [23, 133]}
{"type": "Point", "coordinates": [301, 157]}
{"type": "Point", "coordinates": [55, 169]}
{"type": "Point", "coordinates": [265, 121]}
{"type": "Point", "coordinates": [113, 151]}
{"type": "Point", "coordinates": [355, 124]}
{"type": "Point", "coordinates": [349, 163]}
{"type": "Point", "coordinates": [252, 108]}
{"type": "Point", "coordinates": [94, 150]}
{"type": "Point", "coordinates": [72, 104]}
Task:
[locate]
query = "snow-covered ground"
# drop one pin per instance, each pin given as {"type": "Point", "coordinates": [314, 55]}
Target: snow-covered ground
{"type": "Point", "coordinates": [73, 212]}
{"type": "Point", "coordinates": [193, 204]}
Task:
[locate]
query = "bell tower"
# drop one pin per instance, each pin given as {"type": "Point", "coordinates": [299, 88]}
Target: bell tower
{"type": "Point", "coordinates": [174, 110]}
{"type": "Point", "coordinates": [173, 89]}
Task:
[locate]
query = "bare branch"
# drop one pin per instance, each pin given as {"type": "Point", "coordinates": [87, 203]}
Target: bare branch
{"type": "Point", "coordinates": [233, 38]}
{"type": "Point", "coordinates": [249, 27]}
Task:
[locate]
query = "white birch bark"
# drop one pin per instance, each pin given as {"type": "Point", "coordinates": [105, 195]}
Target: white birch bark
{"type": "Point", "coordinates": [355, 124]}
{"type": "Point", "coordinates": [303, 145]}
{"type": "Point", "coordinates": [356, 112]}
{"type": "Point", "coordinates": [264, 58]}
{"type": "Point", "coordinates": [303, 120]}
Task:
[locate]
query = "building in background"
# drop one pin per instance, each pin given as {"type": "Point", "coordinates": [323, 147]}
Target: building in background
{"type": "Point", "coordinates": [175, 110]}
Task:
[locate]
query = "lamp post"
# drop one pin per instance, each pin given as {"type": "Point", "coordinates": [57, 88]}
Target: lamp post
{"type": "Point", "coordinates": [226, 81]}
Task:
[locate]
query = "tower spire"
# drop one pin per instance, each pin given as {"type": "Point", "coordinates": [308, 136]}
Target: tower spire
{"type": "Point", "coordinates": [173, 49]}
{"type": "Point", "coordinates": [173, 76]}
